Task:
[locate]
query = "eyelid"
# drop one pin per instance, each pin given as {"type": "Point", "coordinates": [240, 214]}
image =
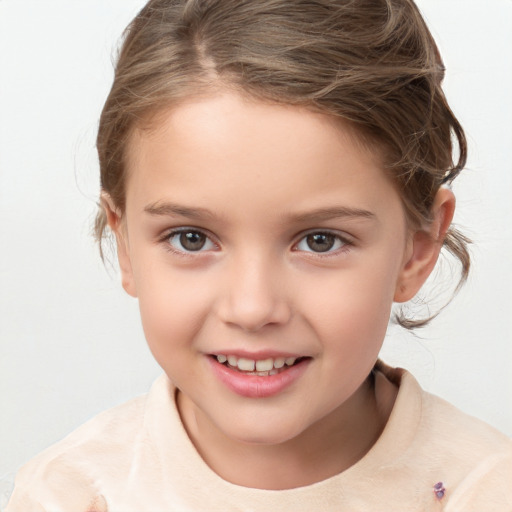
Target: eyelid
{"type": "Point", "coordinates": [170, 233]}
{"type": "Point", "coordinates": [346, 240]}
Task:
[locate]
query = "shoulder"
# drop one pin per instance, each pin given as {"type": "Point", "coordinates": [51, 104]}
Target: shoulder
{"type": "Point", "coordinates": [457, 433]}
{"type": "Point", "coordinates": [431, 420]}
{"type": "Point", "coordinates": [478, 456]}
{"type": "Point", "coordinates": [471, 459]}
{"type": "Point", "coordinates": [488, 486]}
{"type": "Point", "coordinates": [71, 472]}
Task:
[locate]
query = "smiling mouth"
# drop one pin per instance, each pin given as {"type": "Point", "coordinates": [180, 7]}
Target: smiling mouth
{"type": "Point", "coordinates": [259, 368]}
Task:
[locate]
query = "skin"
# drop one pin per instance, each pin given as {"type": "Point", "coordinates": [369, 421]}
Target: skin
{"type": "Point", "coordinates": [256, 179]}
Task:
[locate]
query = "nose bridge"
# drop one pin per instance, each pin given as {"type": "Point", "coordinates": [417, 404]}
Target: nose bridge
{"type": "Point", "coordinates": [255, 292]}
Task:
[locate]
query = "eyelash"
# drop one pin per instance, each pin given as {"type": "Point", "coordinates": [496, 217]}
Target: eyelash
{"type": "Point", "coordinates": [167, 238]}
{"type": "Point", "coordinates": [342, 241]}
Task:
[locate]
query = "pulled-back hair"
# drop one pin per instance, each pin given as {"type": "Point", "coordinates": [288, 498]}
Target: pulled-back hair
{"type": "Point", "coordinates": [371, 63]}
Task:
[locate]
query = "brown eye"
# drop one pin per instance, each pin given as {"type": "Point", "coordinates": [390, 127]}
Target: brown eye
{"type": "Point", "coordinates": [192, 241]}
{"type": "Point", "coordinates": [320, 242]}
{"type": "Point", "coordinates": [189, 241]}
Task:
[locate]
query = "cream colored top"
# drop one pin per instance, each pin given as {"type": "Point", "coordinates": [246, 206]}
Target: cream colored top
{"type": "Point", "coordinates": [137, 458]}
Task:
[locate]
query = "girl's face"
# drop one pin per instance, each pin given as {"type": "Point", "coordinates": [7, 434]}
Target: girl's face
{"type": "Point", "coordinates": [266, 236]}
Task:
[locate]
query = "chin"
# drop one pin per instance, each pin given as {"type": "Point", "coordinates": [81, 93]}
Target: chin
{"type": "Point", "coordinates": [262, 433]}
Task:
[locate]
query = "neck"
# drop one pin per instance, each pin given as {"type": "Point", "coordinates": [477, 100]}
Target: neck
{"type": "Point", "coordinates": [325, 449]}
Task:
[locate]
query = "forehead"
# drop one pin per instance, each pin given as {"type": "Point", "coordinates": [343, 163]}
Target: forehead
{"type": "Point", "coordinates": [212, 113]}
{"type": "Point", "coordinates": [227, 145]}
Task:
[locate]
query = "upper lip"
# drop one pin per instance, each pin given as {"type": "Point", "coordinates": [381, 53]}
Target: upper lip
{"type": "Point", "coordinates": [258, 355]}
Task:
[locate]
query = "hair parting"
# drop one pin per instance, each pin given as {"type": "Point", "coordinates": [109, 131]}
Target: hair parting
{"type": "Point", "coordinates": [372, 64]}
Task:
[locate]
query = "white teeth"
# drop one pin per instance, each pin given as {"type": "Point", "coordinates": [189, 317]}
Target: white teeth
{"type": "Point", "coordinates": [279, 362]}
{"type": "Point", "coordinates": [264, 365]}
{"type": "Point", "coordinates": [246, 365]}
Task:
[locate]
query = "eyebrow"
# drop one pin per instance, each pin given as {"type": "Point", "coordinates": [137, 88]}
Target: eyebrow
{"type": "Point", "coordinates": [320, 214]}
{"type": "Point", "coordinates": [333, 213]}
{"type": "Point", "coordinates": [173, 209]}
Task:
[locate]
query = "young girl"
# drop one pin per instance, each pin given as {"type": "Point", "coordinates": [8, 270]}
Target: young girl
{"type": "Point", "coordinates": [276, 175]}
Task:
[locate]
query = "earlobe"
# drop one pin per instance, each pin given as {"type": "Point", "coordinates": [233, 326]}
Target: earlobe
{"type": "Point", "coordinates": [424, 247]}
{"type": "Point", "coordinates": [114, 220]}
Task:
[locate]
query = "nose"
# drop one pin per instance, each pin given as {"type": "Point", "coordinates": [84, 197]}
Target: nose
{"type": "Point", "coordinates": [254, 295]}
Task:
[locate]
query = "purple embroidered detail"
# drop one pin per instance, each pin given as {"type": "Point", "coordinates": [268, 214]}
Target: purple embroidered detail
{"type": "Point", "coordinates": [439, 490]}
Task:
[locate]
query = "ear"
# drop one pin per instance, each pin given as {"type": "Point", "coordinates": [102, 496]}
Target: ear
{"type": "Point", "coordinates": [115, 222]}
{"type": "Point", "coordinates": [424, 247]}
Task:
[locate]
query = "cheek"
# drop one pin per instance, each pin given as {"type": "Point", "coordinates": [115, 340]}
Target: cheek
{"type": "Point", "coordinates": [353, 306]}
{"type": "Point", "coordinates": [173, 306]}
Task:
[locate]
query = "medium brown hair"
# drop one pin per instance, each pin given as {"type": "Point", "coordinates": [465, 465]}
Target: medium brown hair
{"type": "Point", "coordinates": [371, 63]}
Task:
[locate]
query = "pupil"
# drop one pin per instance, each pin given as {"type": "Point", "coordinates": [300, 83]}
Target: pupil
{"type": "Point", "coordinates": [320, 242]}
{"type": "Point", "coordinates": [192, 241]}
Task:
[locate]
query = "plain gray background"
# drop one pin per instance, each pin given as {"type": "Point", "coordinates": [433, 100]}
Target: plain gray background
{"type": "Point", "coordinates": [70, 339]}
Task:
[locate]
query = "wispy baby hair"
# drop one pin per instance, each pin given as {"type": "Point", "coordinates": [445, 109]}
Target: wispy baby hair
{"type": "Point", "coordinates": [371, 63]}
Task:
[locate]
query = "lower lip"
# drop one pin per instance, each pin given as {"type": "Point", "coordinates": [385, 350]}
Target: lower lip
{"type": "Point", "coordinates": [254, 386]}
